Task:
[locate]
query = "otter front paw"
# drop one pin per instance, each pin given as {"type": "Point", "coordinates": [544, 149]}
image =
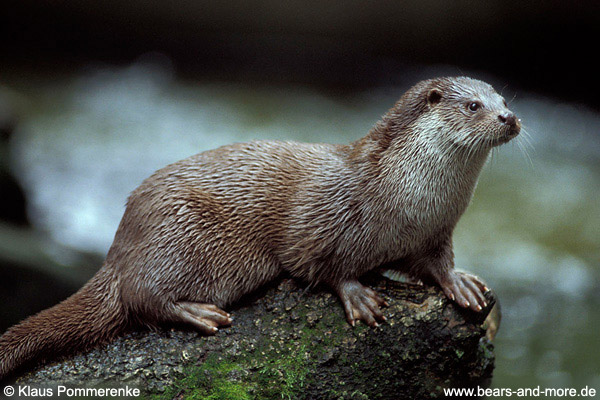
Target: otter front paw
{"type": "Point", "coordinates": [361, 303]}
{"type": "Point", "coordinates": [466, 289]}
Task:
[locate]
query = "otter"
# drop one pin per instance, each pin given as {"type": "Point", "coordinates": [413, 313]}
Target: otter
{"type": "Point", "coordinates": [202, 232]}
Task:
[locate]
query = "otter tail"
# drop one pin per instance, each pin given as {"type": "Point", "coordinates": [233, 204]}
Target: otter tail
{"type": "Point", "coordinates": [91, 316]}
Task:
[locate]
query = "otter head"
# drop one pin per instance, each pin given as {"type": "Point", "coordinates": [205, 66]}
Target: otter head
{"type": "Point", "coordinates": [469, 113]}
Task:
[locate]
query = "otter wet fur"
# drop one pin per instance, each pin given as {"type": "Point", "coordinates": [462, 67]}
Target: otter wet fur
{"type": "Point", "coordinates": [202, 232]}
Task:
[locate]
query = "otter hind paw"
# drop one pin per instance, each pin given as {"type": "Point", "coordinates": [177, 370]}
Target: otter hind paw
{"type": "Point", "coordinates": [204, 317]}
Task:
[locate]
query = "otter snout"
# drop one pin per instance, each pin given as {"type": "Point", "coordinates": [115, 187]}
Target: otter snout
{"type": "Point", "coordinates": [508, 119]}
{"type": "Point", "coordinates": [512, 123]}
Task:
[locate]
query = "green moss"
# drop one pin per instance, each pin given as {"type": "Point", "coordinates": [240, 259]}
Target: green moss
{"type": "Point", "coordinates": [281, 375]}
{"type": "Point", "coordinates": [284, 376]}
{"type": "Point", "coordinates": [224, 390]}
{"type": "Point", "coordinates": [210, 381]}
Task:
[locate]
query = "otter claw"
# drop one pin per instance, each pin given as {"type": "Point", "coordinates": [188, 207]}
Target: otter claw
{"type": "Point", "coordinates": [465, 289]}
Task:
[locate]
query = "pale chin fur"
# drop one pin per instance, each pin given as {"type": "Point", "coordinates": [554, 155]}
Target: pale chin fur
{"type": "Point", "coordinates": [461, 147]}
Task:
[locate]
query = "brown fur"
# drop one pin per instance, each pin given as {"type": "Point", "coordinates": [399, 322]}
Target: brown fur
{"type": "Point", "coordinates": [206, 230]}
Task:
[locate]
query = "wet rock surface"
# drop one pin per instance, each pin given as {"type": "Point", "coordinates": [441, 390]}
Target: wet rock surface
{"type": "Point", "coordinates": [292, 342]}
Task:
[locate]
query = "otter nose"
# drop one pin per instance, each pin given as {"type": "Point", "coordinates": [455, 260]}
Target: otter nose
{"type": "Point", "coordinates": [508, 119]}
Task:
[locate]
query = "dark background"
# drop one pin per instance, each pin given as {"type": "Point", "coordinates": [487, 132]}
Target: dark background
{"type": "Point", "coordinates": [545, 46]}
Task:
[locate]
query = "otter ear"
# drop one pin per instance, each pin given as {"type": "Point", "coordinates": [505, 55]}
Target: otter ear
{"type": "Point", "coordinates": [433, 97]}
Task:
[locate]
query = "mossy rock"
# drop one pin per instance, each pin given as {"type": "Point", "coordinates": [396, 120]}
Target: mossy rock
{"type": "Point", "coordinates": [288, 342]}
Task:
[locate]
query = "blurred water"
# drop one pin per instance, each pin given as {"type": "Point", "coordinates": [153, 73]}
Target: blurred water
{"type": "Point", "coordinates": [90, 141]}
{"type": "Point", "coordinates": [532, 231]}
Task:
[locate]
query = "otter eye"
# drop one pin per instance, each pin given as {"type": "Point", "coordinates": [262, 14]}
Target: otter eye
{"type": "Point", "coordinates": [474, 106]}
